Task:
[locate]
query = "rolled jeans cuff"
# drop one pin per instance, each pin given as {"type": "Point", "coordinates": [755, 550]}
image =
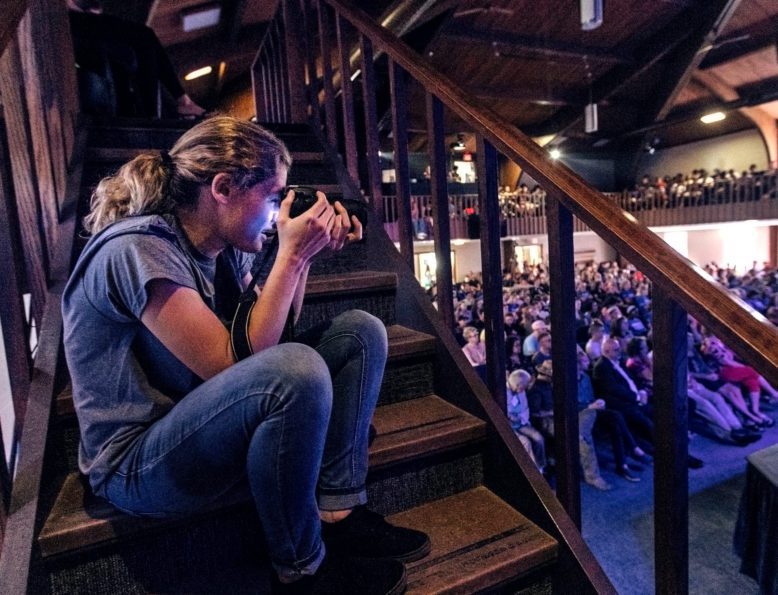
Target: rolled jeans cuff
{"type": "Point", "coordinates": [336, 500]}
{"type": "Point", "coordinates": [306, 567]}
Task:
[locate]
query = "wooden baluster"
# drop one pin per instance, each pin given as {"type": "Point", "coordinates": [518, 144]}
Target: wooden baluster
{"type": "Point", "coordinates": [671, 481]}
{"type": "Point", "coordinates": [491, 267]}
{"type": "Point", "coordinates": [402, 172]}
{"type": "Point", "coordinates": [347, 99]}
{"type": "Point", "coordinates": [330, 118]}
{"type": "Point", "coordinates": [294, 74]}
{"type": "Point", "coordinates": [12, 317]}
{"type": "Point", "coordinates": [441, 228]}
{"type": "Point", "coordinates": [312, 87]}
{"type": "Point", "coordinates": [372, 145]}
{"type": "Point", "coordinates": [259, 89]}
{"type": "Point", "coordinates": [24, 179]}
{"type": "Point", "coordinates": [563, 351]}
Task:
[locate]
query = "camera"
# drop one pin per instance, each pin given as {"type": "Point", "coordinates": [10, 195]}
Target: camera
{"type": "Point", "coordinates": [305, 197]}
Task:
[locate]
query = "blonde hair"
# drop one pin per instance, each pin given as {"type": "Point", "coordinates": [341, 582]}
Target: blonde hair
{"type": "Point", "coordinates": [162, 182]}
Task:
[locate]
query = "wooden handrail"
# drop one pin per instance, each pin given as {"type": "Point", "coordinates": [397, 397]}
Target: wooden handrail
{"type": "Point", "coordinates": [12, 13]}
{"type": "Point", "coordinates": [742, 328]}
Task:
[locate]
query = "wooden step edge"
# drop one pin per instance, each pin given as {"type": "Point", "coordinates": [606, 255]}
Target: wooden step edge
{"type": "Point", "coordinates": [421, 427]}
{"type": "Point", "coordinates": [404, 343]}
{"type": "Point", "coordinates": [122, 154]}
{"type": "Point", "coordinates": [478, 542]}
{"type": "Point", "coordinates": [357, 282]}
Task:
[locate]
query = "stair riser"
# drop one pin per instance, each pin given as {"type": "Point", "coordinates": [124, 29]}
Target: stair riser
{"type": "Point", "coordinates": [321, 310]}
{"type": "Point", "coordinates": [405, 380]}
{"type": "Point", "coordinates": [127, 138]}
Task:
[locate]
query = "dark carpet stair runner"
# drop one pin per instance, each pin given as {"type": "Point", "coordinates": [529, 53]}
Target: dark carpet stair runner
{"type": "Point", "coordinates": [426, 464]}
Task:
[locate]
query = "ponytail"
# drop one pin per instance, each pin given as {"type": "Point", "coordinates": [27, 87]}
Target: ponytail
{"type": "Point", "coordinates": [162, 182]}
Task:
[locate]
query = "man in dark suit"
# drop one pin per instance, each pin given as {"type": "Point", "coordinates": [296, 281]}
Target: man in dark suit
{"type": "Point", "coordinates": [613, 384]}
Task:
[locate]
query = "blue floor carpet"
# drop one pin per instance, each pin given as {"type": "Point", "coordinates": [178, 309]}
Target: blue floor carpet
{"type": "Point", "coordinates": [618, 525]}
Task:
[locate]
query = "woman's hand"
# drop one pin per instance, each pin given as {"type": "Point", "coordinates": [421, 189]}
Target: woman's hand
{"type": "Point", "coordinates": [304, 236]}
{"type": "Point", "coordinates": [341, 231]}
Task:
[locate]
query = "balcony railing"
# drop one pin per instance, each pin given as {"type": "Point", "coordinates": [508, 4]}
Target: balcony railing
{"type": "Point", "coordinates": [524, 213]}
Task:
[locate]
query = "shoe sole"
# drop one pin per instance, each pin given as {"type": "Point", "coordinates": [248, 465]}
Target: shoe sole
{"type": "Point", "coordinates": [416, 554]}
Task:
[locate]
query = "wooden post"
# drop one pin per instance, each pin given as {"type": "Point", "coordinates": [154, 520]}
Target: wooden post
{"type": "Point", "coordinates": [325, 38]}
{"type": "Point", "coordinates": [441, 228]}
{"type": "Point", "coordinates": [371, 127]}
{"type": "Point", "coordinates": [671, 481]}
{"type": "Point", "coordinates": [491, 269]}
{"type": "Point", "coordinates": [25, 181]}
{"type": "Point", "coordinates": [347, 100]}
{"type": "Point", "coordinates": [402, 172]}
{"type": "Point", "coordinates": [563, 351]}
{"type": "Point", "coordinates": [294, 75]}
{"type": "Point", "coordinates": [306, 39]}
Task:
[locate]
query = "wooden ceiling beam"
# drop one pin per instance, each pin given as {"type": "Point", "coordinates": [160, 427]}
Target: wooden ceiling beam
{"type": "Point", "coordinates": [711, 19]}
{"type": "Point", "coordinates": [618, 77]}
{"type": "Point", "coordinates": [742, 42]}
{"type": "Point", "coordinates": [509, 43]}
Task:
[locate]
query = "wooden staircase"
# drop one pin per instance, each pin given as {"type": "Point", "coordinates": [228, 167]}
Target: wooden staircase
{"type": "Point", "coordinates": [437, 464]}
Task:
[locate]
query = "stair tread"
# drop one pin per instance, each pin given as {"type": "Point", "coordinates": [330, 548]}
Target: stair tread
{"type": "Point", "coordinates": [478, 542]}
{"type": "Point", "coordinates": [405, 430]}
{"type": "Point", "coordinates": [419, 427]}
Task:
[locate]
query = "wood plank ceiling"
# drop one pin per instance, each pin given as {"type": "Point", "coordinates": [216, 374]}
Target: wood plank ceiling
{"type": "Point", "coordinates": [652, 67]}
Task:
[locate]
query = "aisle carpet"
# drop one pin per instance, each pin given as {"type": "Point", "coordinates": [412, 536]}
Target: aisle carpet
{"type": "Point", "coordinates": [618, 525]}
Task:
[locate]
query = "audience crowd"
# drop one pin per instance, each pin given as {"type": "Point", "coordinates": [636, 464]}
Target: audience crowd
{"type": "Point", "coordinates": [728, 400]}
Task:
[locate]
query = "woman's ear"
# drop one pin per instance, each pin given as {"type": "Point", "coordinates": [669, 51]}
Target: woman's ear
{"type": "Point", "coordinates": [221, 187]}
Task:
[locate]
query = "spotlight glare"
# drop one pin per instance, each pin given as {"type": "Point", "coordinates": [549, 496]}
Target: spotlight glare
{"type": "Point", "coordinates": [555, 153]}
{"type": "Point", "coordinates": [713, 117]}
{"type": "Point", "coordinates": [196, 74]}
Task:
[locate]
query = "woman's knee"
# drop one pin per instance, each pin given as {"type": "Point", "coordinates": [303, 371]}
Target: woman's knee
{"type": "Point", "coordinates": [367, 327]}
{"type": "Point", "coordinates": [296, 374]}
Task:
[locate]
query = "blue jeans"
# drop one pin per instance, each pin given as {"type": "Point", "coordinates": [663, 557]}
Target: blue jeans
{"type": "Point", "coordinates": [293, 420]}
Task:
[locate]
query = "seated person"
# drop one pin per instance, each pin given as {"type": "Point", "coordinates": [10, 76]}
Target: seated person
{"type": "Point", "coordinates": [473, 348]}
{"type": "Point", "coordinates": [623, 443]}
{"type": "Point", "coordinates": [639, 365]}
{"type": "Point", "coordinates": [731, 370]}
{"type": "Point", "coordinates": [530, 345]}
{"type": "Point", "coordinates": [152, 362]}
{"type": "Point", "coordinates": [709, 378]}
{"type": "Point", "coordinates": [518, 414]}
{"type": "Point", "coordinates": [541, 404]}
{"type": "Point", "coordinates": [718, 416]}
{"type": "Point", "coordinates": [594, 344]}
{"type": "Point", "coordinates": [544, 349]}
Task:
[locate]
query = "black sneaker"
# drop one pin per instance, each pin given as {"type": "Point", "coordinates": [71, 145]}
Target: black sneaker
{"type": "Point", "coordinates": [366, 533]}
{"type": "Point", "coordinates": [345, 575]}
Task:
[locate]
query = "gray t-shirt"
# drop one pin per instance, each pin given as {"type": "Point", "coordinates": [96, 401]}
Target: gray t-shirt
{"type": "Point", "coordinates": [123, 378]}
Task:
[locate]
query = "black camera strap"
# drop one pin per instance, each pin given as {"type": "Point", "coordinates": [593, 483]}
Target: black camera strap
{"type": "Point", "coordinates": [239, 328]}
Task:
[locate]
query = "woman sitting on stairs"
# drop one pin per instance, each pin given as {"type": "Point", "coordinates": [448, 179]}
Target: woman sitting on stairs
{"type": "Point", "coordinates": [171, 422]}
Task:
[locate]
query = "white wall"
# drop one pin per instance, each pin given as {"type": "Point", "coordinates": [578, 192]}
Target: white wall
{"type": "Point", "coordinates": [7, 417]}
{"type": "Point", "coordinates": [734, 244]}
{"type": "Point", "coordinates": [733, 151]}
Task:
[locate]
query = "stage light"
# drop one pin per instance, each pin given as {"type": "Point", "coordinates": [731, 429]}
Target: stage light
{"type": "Point", "coordinates": [555, 153]}
{"type": "Point", "coordinates": [713, 117]}
{"type": "Point", "coordinates": [196, 74]}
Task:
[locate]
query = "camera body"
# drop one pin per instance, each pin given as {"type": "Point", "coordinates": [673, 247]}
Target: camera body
{"type": "Point", "coordinates": [305, 197]}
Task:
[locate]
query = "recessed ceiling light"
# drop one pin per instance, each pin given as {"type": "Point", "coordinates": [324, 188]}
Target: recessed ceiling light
{"type": "Point", "coordinates": [714, 117]}
{"type": "Point", "coordinates": [196, 74]}
{"type": "Point", "coordinates": [555, 153]}
{"type": "Point", "coordinates": [201, 17]}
